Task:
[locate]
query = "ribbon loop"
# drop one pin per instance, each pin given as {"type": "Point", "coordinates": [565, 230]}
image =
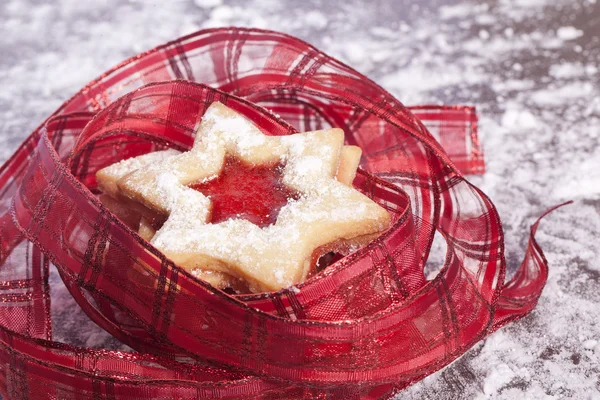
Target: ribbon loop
{"type": "Point", "coordinates": [365, 327]}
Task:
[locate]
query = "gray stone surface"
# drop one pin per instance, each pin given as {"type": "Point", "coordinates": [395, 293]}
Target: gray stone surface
{"type": "Point", "coordinates": [531, 68]}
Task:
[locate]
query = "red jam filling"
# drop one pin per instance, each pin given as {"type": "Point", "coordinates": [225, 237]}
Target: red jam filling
{"type": "Point", "coordinates": [254, 193]}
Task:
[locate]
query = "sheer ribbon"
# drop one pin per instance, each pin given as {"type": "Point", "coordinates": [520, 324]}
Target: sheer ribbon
{"type": "Point", "coordinates": [368, 326]}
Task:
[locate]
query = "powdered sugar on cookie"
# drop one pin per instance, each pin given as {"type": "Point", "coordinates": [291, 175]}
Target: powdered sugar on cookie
{"type": "Point", "coordinates": [267, 258]}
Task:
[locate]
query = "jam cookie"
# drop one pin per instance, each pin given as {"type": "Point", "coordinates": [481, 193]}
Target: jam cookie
{"type": "Point", "coordinates": [181, 196]}
{"type": "Point", "coordinates": [132, 215]}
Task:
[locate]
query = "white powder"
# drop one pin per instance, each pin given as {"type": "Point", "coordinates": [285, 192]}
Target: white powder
{"type": "Point", "coordinates": [519, 119]}
{"type": "Point", "coordinates": [131, 164]}
{"type": "Point", "coordinates": [567, 70]}
{"type": "Point", "coordinates": [279, 274]}
{"type": "Point", "coordinates": [589, 344]}
{"type": "Point", "coordinates": [166, 182]}
{"type": "Point", "coordinates": [308, 166]}
{"type": "Point", "coordinates": [47, 58]}
{"type": "Point", "coordinates": [354, 52]}
{"type": "Point", "coordinates": [241, 131]}
{"type": "Point", "coordinates": [208, 3]}
{"type": "Point", "coordinates": [574, 91]}
{"type": "Point", "coordinates": [315, 19]}
{"type": "Point", "coordinates": [568, 33]}
{"type": "Point", "coordinates": [447, 12]}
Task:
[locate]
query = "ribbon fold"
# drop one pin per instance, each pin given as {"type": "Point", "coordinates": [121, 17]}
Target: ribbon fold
{"type": "Point", "coordinates": [366, 327]}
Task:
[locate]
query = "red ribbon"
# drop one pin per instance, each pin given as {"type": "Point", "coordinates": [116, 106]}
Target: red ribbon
{"type": "Point", "coordinates": [366, 327]}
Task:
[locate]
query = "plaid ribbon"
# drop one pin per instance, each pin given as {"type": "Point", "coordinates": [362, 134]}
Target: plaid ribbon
{"type": "Point", "coordinates": [368, 326]}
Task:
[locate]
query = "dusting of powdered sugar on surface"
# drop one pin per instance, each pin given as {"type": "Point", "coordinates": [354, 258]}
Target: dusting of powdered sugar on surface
{"type": "Point", "coordinates": [531, 68]}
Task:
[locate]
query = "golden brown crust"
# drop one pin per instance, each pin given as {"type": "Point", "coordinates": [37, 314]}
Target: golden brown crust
{"type": "Point", "coordinates": [349, 161]}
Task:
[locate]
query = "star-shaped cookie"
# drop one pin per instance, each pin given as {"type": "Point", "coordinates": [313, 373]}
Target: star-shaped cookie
{"type": "Point", "coordinates": [326, 209]}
